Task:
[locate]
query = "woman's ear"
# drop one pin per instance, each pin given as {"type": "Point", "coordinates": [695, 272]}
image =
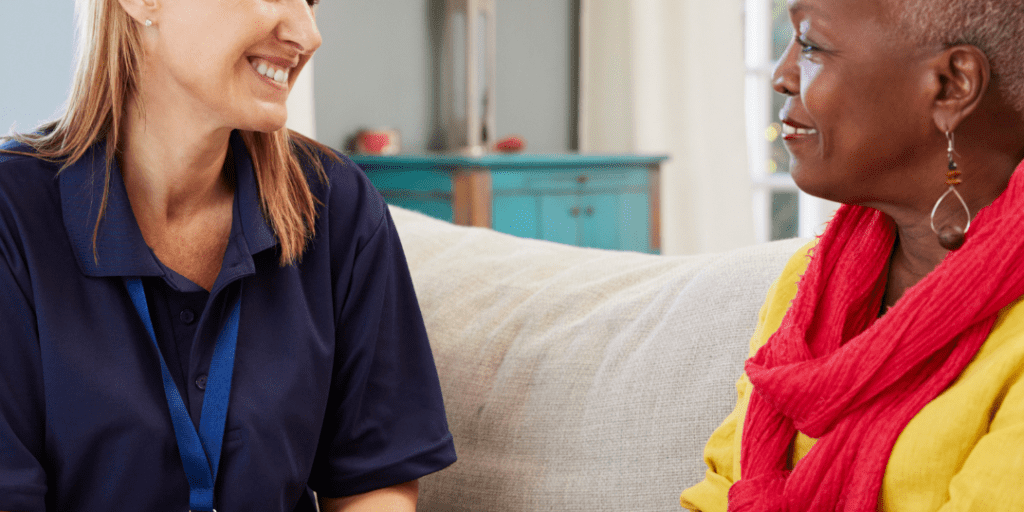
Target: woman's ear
{"type": "Point", "coordinates": [964, 74]}
{"type": "Point", "coordinates": [141, 10]}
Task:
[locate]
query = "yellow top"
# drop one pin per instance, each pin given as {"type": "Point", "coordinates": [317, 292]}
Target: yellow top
{"type": "Point", "coordinates": [963, 452]}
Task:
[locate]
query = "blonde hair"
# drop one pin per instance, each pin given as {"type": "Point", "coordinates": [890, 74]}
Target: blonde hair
{"type": "Point", "coordinates": [996, 27]}
{"type": "Point", "coordinates": [105, 81]}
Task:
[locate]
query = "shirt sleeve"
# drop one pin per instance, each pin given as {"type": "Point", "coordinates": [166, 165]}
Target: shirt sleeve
{"type": "Point", "coordinates": [385, 422]}
{"type": "Point", "coordinates": [22, 409]}
{"type": "Point", "coordinates": [990, 478]}
{"type": "Point", "coordinates": [722, 452]}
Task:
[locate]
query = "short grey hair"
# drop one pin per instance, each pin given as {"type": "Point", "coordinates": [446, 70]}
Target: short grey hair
{"type": "Point", "coordinates": [996, 27]}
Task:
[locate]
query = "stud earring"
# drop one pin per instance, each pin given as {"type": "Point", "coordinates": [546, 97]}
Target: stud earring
{"type": "Point", "coordinates": [149, 23]}
{"type": "Point", "coordinates": [951, 237]}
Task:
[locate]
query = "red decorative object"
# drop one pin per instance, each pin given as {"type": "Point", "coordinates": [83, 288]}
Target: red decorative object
{"type": "Point", "coordinates": [510, 144]}
{"type": "Point", "coordinates": [378, 142]}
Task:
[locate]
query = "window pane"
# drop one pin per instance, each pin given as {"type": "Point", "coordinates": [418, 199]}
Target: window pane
{"type": "Point", "coordinates": [785, 215]}
{"type": "Point", "coordinates": [782, 33]}
{"type": "Point", "coordinates": [782, 29]}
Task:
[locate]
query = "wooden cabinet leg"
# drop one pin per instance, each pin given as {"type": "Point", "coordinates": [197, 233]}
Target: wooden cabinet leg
{"type": "Point", "coordinates": [471, 198]}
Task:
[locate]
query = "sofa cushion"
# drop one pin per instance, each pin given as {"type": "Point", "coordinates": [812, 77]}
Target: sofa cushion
{"type": "Point", "coordinates": [574, 378]}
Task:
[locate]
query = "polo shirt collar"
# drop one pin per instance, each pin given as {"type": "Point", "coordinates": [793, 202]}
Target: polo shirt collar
{"type": "Point", "coordinates": [120, 248]}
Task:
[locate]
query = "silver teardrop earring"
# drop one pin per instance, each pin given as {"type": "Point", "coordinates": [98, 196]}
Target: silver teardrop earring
{"type": "Point", "coordinates": [951, 237]}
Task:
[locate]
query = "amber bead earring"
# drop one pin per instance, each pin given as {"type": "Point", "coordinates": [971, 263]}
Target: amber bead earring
{"type": "Point", "coordinates": [951, 237]}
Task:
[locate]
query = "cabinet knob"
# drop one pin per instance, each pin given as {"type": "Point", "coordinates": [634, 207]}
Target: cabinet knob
{"type": "Point", "coordinates": [574, 211]}
{"type": "Point", "coordinates": [590, 211]}
{"type": "Point", "coordinates": [581, 179]}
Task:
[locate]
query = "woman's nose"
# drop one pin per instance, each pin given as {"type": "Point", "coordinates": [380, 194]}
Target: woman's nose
{"type": "Point", "coordinates": [786, 76]}
{"type": "Point", "coordinates": [298, 26]}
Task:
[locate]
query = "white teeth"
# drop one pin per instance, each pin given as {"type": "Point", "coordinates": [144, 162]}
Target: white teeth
{"type": "Point", "coordinates": [793, 130]}
{"type": "Point", "coordinates": [277, 75]}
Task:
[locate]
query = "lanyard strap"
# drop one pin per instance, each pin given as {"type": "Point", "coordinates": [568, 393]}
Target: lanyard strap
{"type": "Point", "coordinates": [200, 452]}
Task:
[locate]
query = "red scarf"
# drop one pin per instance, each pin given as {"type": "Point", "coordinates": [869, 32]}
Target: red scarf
{"type": "Point", "coordinates": [834, 373]}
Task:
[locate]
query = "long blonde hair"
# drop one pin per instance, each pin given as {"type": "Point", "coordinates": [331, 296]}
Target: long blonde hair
{"type": "Point", "coordinates": [105, 81]}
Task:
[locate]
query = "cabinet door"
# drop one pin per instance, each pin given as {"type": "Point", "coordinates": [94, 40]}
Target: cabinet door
{"type": "Point", "coordinates": [560, 218]}
{"type": "Point", "coordinates": [634, 222]}
{"type": "Point", "coordinates": [517, 215]}
{"type": "Point", "coordinates": [600, 214]}
{"type": "Point", "coordinates": [604, 221]}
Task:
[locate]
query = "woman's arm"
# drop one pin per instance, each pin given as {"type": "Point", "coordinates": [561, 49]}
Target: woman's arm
{"type": "Point", "coordinates": [398, 498]}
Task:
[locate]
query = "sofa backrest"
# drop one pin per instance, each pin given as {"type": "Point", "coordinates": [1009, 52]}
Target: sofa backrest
{"type": "Point", "coordinates": [579, 379]}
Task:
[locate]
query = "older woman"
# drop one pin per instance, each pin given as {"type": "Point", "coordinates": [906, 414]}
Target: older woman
{"type": "Point", "coordinates": [887, 372]}
{"type": "Point", "coordinates": [199, 308]}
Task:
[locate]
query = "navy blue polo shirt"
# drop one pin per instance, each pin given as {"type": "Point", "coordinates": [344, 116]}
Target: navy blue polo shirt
{"type": "Point", "coordinates": [334, 386]}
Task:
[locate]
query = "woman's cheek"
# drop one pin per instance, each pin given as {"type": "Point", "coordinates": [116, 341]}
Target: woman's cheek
{"type": "Point", "coordinates": [809, 71]}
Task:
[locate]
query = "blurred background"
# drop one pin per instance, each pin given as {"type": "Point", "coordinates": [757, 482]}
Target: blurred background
{"type": "Point", "coordinates": [689, 79]}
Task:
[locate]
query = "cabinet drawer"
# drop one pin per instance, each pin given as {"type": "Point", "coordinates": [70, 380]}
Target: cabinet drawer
{"type": "Point", "coordinates": [421, 180]}
{"type": "Point", "coordinates": [563, 181]}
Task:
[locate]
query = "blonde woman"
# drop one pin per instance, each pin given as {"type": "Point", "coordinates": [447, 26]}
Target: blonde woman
{"type": "Point", "coordinates": [198, 308]}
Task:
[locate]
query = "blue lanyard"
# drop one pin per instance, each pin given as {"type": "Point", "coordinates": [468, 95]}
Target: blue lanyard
{"type": "Point", "coordinates": [200, 452]}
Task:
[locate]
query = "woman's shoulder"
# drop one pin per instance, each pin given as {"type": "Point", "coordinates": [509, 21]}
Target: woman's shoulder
{"type": "Point", "coordinates": [19, 156]}
{"type": "Point", "coordinates": [781, 295]}
{"type": "Point", "coordinates": [23, 175]}
{"type": "Point", "coordinates": [344, 191]}
{"type": "Point", "coordinates": [784, 289]}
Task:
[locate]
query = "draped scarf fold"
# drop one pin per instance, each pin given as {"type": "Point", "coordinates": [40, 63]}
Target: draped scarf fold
{"type": "Point", "coordinates": [836, 373]}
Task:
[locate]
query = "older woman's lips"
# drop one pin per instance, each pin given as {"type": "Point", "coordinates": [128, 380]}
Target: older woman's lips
{"type": "Point", "coordinates": [791, 131]}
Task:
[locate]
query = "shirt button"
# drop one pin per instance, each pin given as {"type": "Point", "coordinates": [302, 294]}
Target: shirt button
{"type": "Point", "coordinates": [201, 382]}
{"type": "Point", "coordinates": [187, 316]}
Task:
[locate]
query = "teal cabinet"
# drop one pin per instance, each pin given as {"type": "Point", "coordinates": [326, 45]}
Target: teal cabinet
{"type": "Point", "coordinates": [604, 201]}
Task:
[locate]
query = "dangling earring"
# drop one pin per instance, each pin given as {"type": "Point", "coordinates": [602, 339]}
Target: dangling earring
{"type": "Point", "coordinates": [149, 23]}
{"type": "Point", "coordinates": [951, 237]}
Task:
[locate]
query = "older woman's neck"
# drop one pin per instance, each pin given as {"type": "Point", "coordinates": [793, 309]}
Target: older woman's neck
{"type": "Point", "coordinates": [172, 169]}
{"type": "Point", "coordinates": [917, 251]}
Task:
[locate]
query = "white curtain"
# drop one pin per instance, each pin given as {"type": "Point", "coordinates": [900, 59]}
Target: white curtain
{"type": "Point", "coordinates": [301, 105]}
{"type": "Point", "coordinates": [667, 76]}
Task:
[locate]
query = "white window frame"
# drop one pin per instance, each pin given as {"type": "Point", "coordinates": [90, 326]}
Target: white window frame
{"type": "Point", "coordinates": [813, 212]}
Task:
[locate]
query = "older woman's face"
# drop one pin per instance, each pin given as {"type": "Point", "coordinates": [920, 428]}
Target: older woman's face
{"type": "Point", "coordinates": [232, 61]}
{"type": "Point", "coordinates": [856, 114]}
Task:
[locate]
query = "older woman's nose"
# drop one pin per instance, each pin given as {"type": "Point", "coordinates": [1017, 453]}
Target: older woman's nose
{"type": "Point", "coordinates": [786, 76]}
{"type": "Point", "coordinates": [298, 26]}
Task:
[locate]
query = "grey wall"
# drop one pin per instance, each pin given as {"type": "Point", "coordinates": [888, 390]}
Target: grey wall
{"type": "Point", "coordinates": [380, 62]}
{"type": "Point", "coordinates": [379, 66]}
{"type": "Point", "coordinates": [37, 44]}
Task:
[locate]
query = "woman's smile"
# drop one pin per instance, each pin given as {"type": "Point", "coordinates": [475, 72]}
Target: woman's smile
{"type": "Point", "coordinates": [792, 131]}
{"type": "Point", "coordinates": [275, 73]}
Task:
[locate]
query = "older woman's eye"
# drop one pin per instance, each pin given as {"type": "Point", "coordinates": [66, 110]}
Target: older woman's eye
{"type": "Point", "coordinates": [806, 46]}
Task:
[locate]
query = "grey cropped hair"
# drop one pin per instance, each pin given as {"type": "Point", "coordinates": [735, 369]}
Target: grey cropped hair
{"type": "Point", "coordinates": [996, 27]}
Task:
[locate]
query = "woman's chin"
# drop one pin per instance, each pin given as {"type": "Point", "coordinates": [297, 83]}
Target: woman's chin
{"type": "Point", "coordinates": [266, 123]}
{"type": "Point", "coordinates": [816, 183]}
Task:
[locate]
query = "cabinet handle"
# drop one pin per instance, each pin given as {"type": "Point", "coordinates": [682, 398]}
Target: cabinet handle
{"type": "Point", "coordinates": [574, 211]}
{"type": "Point", "coordinates": [581, 179]}
{"type": "Point", "coordinates": [590, 211]}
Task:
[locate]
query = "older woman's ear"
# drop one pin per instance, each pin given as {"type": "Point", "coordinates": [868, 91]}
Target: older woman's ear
{"type": "Point", "coordinates": [141, 10]}
{"type": "Point", "coordinates": [964, 75]}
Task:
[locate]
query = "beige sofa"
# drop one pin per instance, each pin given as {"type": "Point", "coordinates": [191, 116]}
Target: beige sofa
{"type": "Point", "coordinates": [579, 379]}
